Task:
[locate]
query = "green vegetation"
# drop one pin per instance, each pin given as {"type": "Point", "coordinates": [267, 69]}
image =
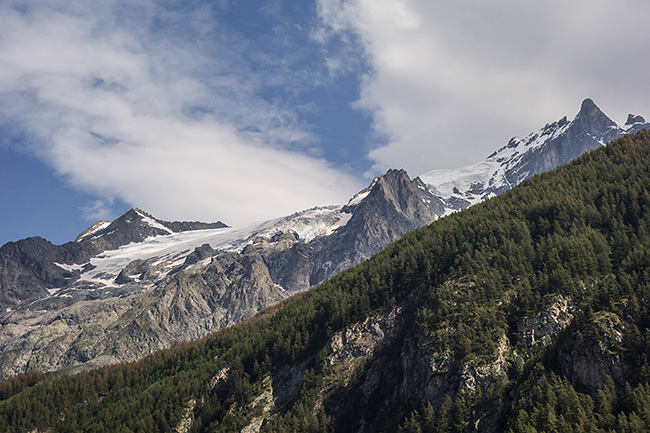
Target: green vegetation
{"type": "Point", "coordinates": [464, 286]}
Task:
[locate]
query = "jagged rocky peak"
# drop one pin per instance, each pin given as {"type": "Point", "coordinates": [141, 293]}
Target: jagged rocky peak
{"type": "Point", "coordinates": [408, 196]}
{"type": "Point", "coordinates": [396, 173]}
{"type": "Point", "coordinates": [554, 144]}
{"type": "Point", "coordinates": [591, 118]}
{"type": "Point", "coordinates": [633, 119]}
{"type": "Point", "coordinates": [394, 202]}
{"type": "Point", "coordinates": [131, 217]}
{"type": "Point", "coordinates": [136, 225]}
{"type": "Point", "coordinates": [392, 180]}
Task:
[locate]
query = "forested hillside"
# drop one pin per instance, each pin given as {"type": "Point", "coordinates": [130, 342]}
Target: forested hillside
{"type": "Point", "coordinates": [528, 312]}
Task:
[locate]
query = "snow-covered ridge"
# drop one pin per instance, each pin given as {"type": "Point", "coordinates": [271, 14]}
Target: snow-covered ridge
{"type": "Point", "coordinates": [469, 182]}
{"type": "Point", "coordinates": [147, 219]}
{"type": "Point", "coordinates": [308, 224]}
{"type": "Point", "coordinates": [173, 248]}
{"type": "Point", "coordinates": [533, 140]}
{"type": "Point", "coordinates": [98, 226]}
{"type": "Point", "coordinates": [634, 121]}
{"type": "Point", "coordinates": [358, 197]}
{"type": "Point", "coordinates": [447, 182]}
{"type": "Point", "coordinates": [525, 156]}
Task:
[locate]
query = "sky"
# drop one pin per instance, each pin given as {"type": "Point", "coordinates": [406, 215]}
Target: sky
{"type": "Point", "coordinates": [242, 111]}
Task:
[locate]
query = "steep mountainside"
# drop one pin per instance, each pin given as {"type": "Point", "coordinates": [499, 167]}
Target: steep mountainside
{"type": "Point", "coordinates": [31, 268]}
{"type": "Point", "coordinates": [128, 288]}
{"type": "Point", "coordinates": [528, 312]}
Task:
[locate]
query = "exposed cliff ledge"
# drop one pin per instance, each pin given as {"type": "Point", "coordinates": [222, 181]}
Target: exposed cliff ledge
{"type": "Point", "coordinates": [542, 328]}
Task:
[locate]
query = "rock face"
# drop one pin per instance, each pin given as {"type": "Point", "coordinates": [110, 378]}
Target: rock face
{"type": "Point", "coordinates": [588, 363]}
{"type": "Point", "coordinates": [30, 266]}
{"type": "Point", "coordinates": [384, 362]}
{"type": "Point", "coordinates": [542, 328]}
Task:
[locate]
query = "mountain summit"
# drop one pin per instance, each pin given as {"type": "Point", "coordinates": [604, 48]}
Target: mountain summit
{"type": "Point", "coordinates": [590, 118]}
{"type": "Point", "coordinates": [554, 144]}
{"type": "Point", "coordinates": [136, 225]}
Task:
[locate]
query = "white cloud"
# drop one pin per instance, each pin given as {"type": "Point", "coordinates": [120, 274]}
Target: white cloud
{"type": "Point", "coordinates": [98, 209]}
{"type": "Point", "coordinates": [161, 110]}
{"type": "Point", "coordinates": [454, 80]}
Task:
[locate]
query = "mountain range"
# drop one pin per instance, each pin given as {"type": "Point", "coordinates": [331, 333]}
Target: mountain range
{"type": "Point", "coordinates": [527, 312]}
{"type": "Point", "coordinates": [129, 287]}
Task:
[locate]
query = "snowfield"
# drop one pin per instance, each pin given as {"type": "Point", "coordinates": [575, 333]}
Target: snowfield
{"type": "Point", "coordinates": [173, 248]}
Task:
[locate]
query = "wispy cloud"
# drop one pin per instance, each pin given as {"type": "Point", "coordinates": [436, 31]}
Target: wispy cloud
{"type": "Point", "coordinates": [160, 107]}
{"type": "Point", "coordinates": [453, 80]}
{"type": "Point", "coordinates": [98, 209]}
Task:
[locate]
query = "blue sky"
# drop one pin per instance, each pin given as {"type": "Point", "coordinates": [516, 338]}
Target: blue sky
{"type": "Point", "coordinates": [244, 111]}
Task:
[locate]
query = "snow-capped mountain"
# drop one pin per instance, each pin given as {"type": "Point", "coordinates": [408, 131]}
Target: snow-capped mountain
{"type": "Point", "coordinates": [556, 143]}
{"type": "Point", "coordinates": [125, 288]}
{"type": "Point", "coordinates": [169, 251]}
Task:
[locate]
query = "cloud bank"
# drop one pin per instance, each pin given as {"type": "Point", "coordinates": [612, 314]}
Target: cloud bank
{"type": "Point", "coordinates": [453, 80]}
{"type": "Point", "coordinates": [159, 107]}
{"type": "Point", "coordinates": [212, 110]}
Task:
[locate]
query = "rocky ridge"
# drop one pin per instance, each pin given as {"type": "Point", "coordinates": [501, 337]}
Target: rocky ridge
{"type": "Point", "coordinates": [413, 370]}
{"type": "Point", "coordinates": [554, 144]}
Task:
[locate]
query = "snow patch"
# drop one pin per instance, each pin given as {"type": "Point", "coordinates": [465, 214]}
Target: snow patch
{"type": "Point", "coordinates": [342, 222]}
{"type": "Point", "coordinates": [69, 268]}
{"type": "Point", "coordinates": [98, 226]}
{"type": "Point", "coordinates": [308, 224]}
{"type": "Point", "coordinates": [358, 198]}
{"type": "Point", "coordinates": [443, 182]}
{"type": "Point", "coordinates": [152, 222]}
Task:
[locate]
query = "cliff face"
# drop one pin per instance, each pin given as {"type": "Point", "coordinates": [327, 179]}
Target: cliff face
{"type": "Point", "coordinates": [387, 367]}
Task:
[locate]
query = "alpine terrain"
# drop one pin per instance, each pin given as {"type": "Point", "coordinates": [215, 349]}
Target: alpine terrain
{"type": "Point", "coordinates": [127, 288]}
{"type": "Point", "coordinates": [527, 312]}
